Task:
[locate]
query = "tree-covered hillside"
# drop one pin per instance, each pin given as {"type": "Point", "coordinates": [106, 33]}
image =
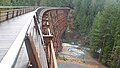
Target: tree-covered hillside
{"type": "Point", "coordinates": [105, 36]}
{"type": "Point", "coordinates": [19, 2]}
{"type": "Point", "coordinates": [99, 21]}
{"type": "Point", "coordinates": [96, 20]}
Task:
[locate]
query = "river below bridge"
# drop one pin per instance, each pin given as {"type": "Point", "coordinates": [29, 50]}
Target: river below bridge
{"type": "Point", "coordinates": [70, 66]}
{"type": "Point", "coordinates": [73, 56]}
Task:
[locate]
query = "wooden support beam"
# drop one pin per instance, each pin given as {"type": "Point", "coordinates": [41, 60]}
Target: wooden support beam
{"type": "Point", "coordinates": [53, 54]}
{"type": "Point", "coordinates": [47, 36]}
{"type": "Point", "coordinates": [53, 25]}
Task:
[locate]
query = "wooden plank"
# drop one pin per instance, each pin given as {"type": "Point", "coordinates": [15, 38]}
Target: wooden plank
{"type": "Point", "coordinates": [47, 36]}
{"type": "Point", "coordinates": [32, 52]}
{"type": "Point", "coordinates": [53, 55]}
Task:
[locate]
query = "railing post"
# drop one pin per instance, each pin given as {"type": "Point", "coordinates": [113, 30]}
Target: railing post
{"type": "Point", "coordinates": [17, 13]}
{"type": "Point", "coordinates": [0, 16]}
{"type": "Point", "coordinates": [13, 14]}
{"type": "Point", "coordinates": [7, 15]}
{"type": "Point", "coordinates": [23, 10]}
{"type": "Point", "coordinates": [20, 12]}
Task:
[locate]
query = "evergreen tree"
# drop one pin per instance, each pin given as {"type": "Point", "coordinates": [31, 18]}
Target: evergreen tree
{"type": "Point", "coordinates": [107, 36]}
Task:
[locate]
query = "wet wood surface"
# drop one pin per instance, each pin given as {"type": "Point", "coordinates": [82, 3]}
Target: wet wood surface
{"type": "Point", "coordinates": [9, 30]}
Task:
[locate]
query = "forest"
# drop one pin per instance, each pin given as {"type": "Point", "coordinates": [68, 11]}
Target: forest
{"type": "Point", "coordinates": [96, 20]}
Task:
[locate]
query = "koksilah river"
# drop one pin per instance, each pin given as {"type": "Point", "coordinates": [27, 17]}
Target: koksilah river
{"type": "Point", "coordinates": [76, 53]}
{"type": "Point", "coordinates": [70, 66]}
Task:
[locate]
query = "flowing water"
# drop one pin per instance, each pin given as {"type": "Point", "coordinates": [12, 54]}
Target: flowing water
{"type": "Point", "coordinates": [70, 66]}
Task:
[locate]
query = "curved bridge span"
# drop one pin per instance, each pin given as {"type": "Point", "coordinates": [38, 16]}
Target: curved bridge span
{"type": "Point", "coordinates": [31, 37]}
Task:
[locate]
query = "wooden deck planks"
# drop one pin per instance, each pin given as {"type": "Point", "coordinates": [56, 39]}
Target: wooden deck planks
{"type": "Point", "coordinates": [9, 30]}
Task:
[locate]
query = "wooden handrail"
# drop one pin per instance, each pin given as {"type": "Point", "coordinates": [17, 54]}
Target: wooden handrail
{"type": "Point", "coordinates": [10, 57]}
{"type": "Point", "coordinates": [20, 39]}
{"type": "Point", "coordinates": [8, 14]}
{"type": "Point", "coordinates": [53, 54]}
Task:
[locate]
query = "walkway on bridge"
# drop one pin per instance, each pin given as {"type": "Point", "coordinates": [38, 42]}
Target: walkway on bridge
{"type": "Point", "coordinates": [18, 33]}
{"type": "Point", "coordinates": [9, 32]}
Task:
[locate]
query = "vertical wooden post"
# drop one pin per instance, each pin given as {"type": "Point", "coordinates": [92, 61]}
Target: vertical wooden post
{"type": "Point", "coordinates": [7, 15]}
{"type": "Point", "coordinates": [53, 55]}
{"type": "Point", "coordinates": [12, 13]}
{"type": "Point", "coordinates": [48, 54]}
{"type": "Point", "coordinates": [17, 13]}
{"type": "Point", "coordinates": [23, 10]}
{"type": "Point", "coordinates": [0, 16]}
{"type": "Point", "coordinates": [20, 12]}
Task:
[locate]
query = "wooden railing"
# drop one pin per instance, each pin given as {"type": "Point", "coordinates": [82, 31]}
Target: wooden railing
{"type": "Point", "coordinates": [25, 37]}
{"type": "Point", "coordinates": [13, 12]}
{"type": "Point", "coordinates": [36, 58]}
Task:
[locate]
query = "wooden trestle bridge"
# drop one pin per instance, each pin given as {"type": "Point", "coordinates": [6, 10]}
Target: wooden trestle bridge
{"type": "Point", "coordinates": [30, 37]}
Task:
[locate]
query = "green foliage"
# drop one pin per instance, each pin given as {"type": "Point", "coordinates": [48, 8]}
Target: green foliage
{"type": "Point", "coordinates": [85, 11]}
{"type": "Point", "coordinates": [5, 2]}
{"type": "Point", "coordinates": [105, 35]}
{"type": "Point", "coordinates": [19, 2]}
{"type": "Point", "coordinates": [98, 19]}
{"type": "Point", "coordinates": [95, 33]}
{"type": "Point", "coordinates": [58, 3]}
